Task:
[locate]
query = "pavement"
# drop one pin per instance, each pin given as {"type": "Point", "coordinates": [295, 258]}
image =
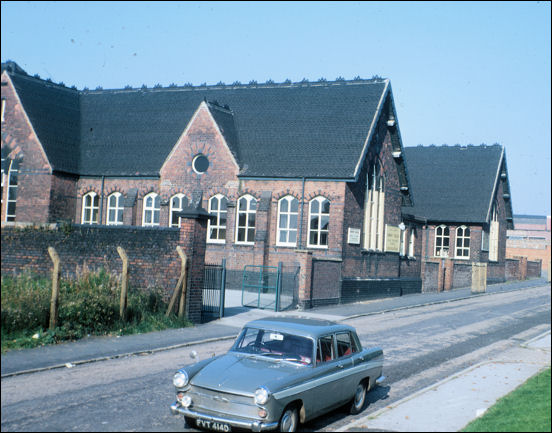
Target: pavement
{"type": "Point", "coordinates": [456, 400]}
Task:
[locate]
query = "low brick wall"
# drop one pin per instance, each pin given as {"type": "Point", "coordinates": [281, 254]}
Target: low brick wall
{"type": "Point", "coordinates": [153, 260]}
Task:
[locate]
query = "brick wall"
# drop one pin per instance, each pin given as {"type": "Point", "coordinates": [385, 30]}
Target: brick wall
{"type": "Point", "coordinates": [153, 260]}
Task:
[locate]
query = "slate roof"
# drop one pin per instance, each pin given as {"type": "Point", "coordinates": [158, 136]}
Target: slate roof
{"type": "Point", "coordinates": [452, 183]}
{"type": "Point", "coordinates": [316, 130]}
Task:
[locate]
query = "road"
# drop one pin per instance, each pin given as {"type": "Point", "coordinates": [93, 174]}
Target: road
{"type": "Point", "coordinates": [422, 346]}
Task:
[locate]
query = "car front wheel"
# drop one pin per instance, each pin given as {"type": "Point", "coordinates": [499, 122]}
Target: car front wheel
{"type": "Point", "coordinates": [359, 399]}
{"type": "Point", "coordinates": [289, 420]}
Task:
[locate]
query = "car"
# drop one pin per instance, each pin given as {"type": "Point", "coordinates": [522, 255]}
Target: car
{"type": "Point", "coordinates": [280, 372]}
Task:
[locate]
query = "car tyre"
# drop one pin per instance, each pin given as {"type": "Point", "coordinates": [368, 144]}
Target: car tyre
{"type": "Point", "coordinates": [289, 420]}
{"type": "Point", "coordinates": [189, 422]}
{"type": "Point", "coordinates": [359, 400]}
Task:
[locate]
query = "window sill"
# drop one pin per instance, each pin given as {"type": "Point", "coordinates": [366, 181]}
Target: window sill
{"type": "Point", "coordinates": [363, 251]}
{"type": "Point", "coordinates": [216, 242]}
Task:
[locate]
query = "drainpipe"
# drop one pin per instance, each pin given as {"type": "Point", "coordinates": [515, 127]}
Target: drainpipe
{"type": "Point", "coordinates": [101, 201]}
{"type": "Point", "coordinates": [301, 220]}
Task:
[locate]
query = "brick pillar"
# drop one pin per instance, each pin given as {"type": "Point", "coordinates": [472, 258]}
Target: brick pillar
{"type": "Point", "coordinates": [522, 268]}
{"type": "Point", "coordinates": [231, 223]}
{"type": "Point", "coordinates": [164, 217]}
{"type": "Point", "coordinates": [262, 228]}
{"type": "Point", "coordinates": [304, 258]}
{"type": "Point", "coordinates": [193, 241]}
{"type": "Point", "coordinates": [129, 207]}
{"type": "Point", "coordinates": [449, 273]}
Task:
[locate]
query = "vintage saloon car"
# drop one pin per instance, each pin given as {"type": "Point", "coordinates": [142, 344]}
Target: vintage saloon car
{"type": "Point", "coordinates": [278, 373]}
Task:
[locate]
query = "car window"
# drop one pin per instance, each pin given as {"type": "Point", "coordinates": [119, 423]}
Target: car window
{"type": "Point", "coordinates": [345, 344]}
{"type": "Point", "coordinates": [274, 344]}
{"type": "Point", "coordinates": [325, 350]}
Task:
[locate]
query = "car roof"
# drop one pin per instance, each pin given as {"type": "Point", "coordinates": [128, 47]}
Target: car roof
{"type": "Point", "coordinates": [299, 326]}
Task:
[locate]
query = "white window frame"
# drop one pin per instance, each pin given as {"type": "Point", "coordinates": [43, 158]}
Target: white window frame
{"type": "Point", "coordinates": [11, 189]}
{"type": "Point", "coordinates": [117, 209]}
{"type": "Point", "coordinates": [412, 242]}
{"type": "Point", "coordinates": [180, 197]}
{"type": "Point", "coordinates": [462, 238]}
{"type": "Point", "coordinates": [494, 235]}
{"type": "Point", "coordinates": [442, 236]}
{"type": "Point", "coordinates": [247, 212]}
{"type": "Point", "coordinates": [155, 210]}
{"type": "Point", "coordinates": [402, 249]}
{"type": "Point", "coordinates": [288, 228]}
{"type": "Point", "coordinates": [319, 215]}
{"type": "Point", "coordinates": [3, 109]}
{"type": "Point", "coordinates": [94, 209]}
{"type": "Point", "coordinates": [216, 226]}
{"type": "Point", "coordinates": [374, 211]}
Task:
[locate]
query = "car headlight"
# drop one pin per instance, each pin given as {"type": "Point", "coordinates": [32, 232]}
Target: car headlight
{"type": "Point", "coordinates": [261, 395]}
{"type": "Point", "coordinates": [180, 379]}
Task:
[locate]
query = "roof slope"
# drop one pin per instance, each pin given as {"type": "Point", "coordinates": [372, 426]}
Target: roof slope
{"type": "Point", "coordinates": [53, 111]}
{"type": "Point", "coordinates": [279, 131]}
{"type": "Point", "coordinates": [452, 183]}
{"type": "Point", "coordinates": [315, 130]}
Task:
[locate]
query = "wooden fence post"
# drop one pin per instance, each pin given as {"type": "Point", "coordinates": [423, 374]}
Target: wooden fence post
{"type": "Point", "coordinates": [180, 284]}
{"type": "Point", "coordinates": [55, 287]}
{"type": "Point", "coordinates": [124, 284]}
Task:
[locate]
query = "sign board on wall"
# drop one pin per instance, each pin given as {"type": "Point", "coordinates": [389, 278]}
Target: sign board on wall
{"type": "Point", "coordinates": [392, 238]}
{"type": "Point", "coordinates": [353, 236]}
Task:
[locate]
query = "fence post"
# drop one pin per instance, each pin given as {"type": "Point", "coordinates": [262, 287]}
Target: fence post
{"type": "Point", "coordinates": [124, 284]}
{"type": "Point", "coordinates": [180, 283]}
{"type": "Point", "coordinates": [278, 286]}
{"type": "Point", "coordinates": [222, 288]}
{"type": "Point", "coordinates": [55, 287]}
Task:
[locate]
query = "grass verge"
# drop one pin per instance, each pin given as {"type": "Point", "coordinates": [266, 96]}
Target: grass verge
{"type": "Point", "coordinates": [526, 409]}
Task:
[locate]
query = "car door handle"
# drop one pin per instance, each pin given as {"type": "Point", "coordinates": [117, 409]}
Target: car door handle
{"type": "Point", "coordinates": [361, 358]}
{"type": "Point", "coordinates": [340, 366]}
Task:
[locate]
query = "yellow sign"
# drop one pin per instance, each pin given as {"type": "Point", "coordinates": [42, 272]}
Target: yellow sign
{"type": "Point", "coordinates": [392, 238]}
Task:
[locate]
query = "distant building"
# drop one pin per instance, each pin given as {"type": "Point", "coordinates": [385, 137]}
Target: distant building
{"type": "Point", "coordinates": [530, 238]}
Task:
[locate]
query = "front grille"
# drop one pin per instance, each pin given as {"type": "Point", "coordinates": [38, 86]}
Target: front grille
{"type": "Point", "coordinates": [217, 402]}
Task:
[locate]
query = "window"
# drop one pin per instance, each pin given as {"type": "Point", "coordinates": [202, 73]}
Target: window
{"type": "Point", "coordinates": [247, 208]}
{"type": "Point", "coordinates": [345, 344]}
{"type": "Point", "coordinates": [200, 164]}
{"type": "Point", "coordinates": [325, 350]}
{"type": "Point", "coordinates": [177, 204]}
{"type": "Point", "coordinates": [319, 222]}
{"type": "Point", "coordinates": [374, 209]}
{"type": "Point", "coordinates": [90, 208]}
{"type": "Point", "coordinates": [402, 249]}
{"type": "Point", "coordinates": [288, 208]}
{"type": "Point", "coordinates": [3, 108]}
{"type": "Point", "coordinates": [493, 235]}
{"type": "Point", "coordinates": [150, 214]}
{"type": "Point", "coordinates": [463, 242]}
{"type": "Point", "coordinates": [412, 242]}
{"type": "Point", "coordinates": [216, 227]}
{"type": "Point", "coordinates": [115, 209]}
{"type": "Point", "coordinates": [442, 240]}
{"type": "Point", "coordinates": [10, 179]}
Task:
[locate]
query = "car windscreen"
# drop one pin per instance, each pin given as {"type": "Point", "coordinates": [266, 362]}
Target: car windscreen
{"type": "Point", "coordinates": [275, 344]}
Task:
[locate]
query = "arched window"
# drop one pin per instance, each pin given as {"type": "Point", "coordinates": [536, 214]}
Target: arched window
{"type": "Point", "coordinates": [319, 222]}
{"type": "Point", "coordinates": [216, 226]}
{"type": "Point", "coordinates": [442, 241]}
{"type": "Point", "coordinates": [463, 242]}
{"type": "Point", "coordinates": [246, 211]}
{"type": "Point", "coordinates": [288, 207]}
{"type": "Point", "coordinates": [115, 209]}
{"type": "Point", "coordinates": [177, 204]}
{"type": "Point", "coordinates": [90, 208]}
{"type": "Point", "coordinates": [374, 209]}
{"type": "Point", "coordinates": [150, 213]}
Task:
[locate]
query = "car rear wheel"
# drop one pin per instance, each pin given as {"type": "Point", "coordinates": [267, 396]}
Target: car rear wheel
{"type": "Point", "coordinates": [289, 420]}
{"type": "Point", "coordinates": [359, 399]}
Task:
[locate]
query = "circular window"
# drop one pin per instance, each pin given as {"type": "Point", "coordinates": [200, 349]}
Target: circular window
{"type": "Point", "coordinates": [200, 164]}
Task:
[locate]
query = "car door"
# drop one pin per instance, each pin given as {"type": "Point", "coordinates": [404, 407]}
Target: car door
{"type": "Point", "coordinates": [346, 351]}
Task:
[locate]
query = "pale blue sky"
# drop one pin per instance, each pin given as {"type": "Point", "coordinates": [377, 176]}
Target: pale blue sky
{"type": "Point", "coordinates": [466, 73]}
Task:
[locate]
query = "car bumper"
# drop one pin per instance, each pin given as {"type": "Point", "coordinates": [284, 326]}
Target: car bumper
{"type": "Point", "coordinates": [253, 425]}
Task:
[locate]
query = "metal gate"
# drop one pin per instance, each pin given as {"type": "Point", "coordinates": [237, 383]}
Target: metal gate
{"type": "Point", "coordinates": [213, 292]}
{"type": "Point", "coordinates": [261, 286]}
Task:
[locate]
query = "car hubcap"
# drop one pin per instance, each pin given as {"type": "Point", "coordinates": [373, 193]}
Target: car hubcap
{"type": "Point", "coordinates": [288, 421]}
{"type": "Point", "coordinates": [359, 396]}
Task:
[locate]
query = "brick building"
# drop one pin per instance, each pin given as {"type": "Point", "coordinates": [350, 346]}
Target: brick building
{"type": "Point", "coordinates": [530, 238]}
{"type": "Point", "coordinates": [311, 174]}
{"type": "Point", "coordinates": [463, 208]}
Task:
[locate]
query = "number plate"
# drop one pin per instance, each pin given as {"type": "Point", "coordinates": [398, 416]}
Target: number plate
{"type": "Point", "coordinates": [213, 425]}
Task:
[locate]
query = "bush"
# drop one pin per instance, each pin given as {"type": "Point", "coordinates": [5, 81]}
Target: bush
{"type": "Point", "coordinates": [88, 305]}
